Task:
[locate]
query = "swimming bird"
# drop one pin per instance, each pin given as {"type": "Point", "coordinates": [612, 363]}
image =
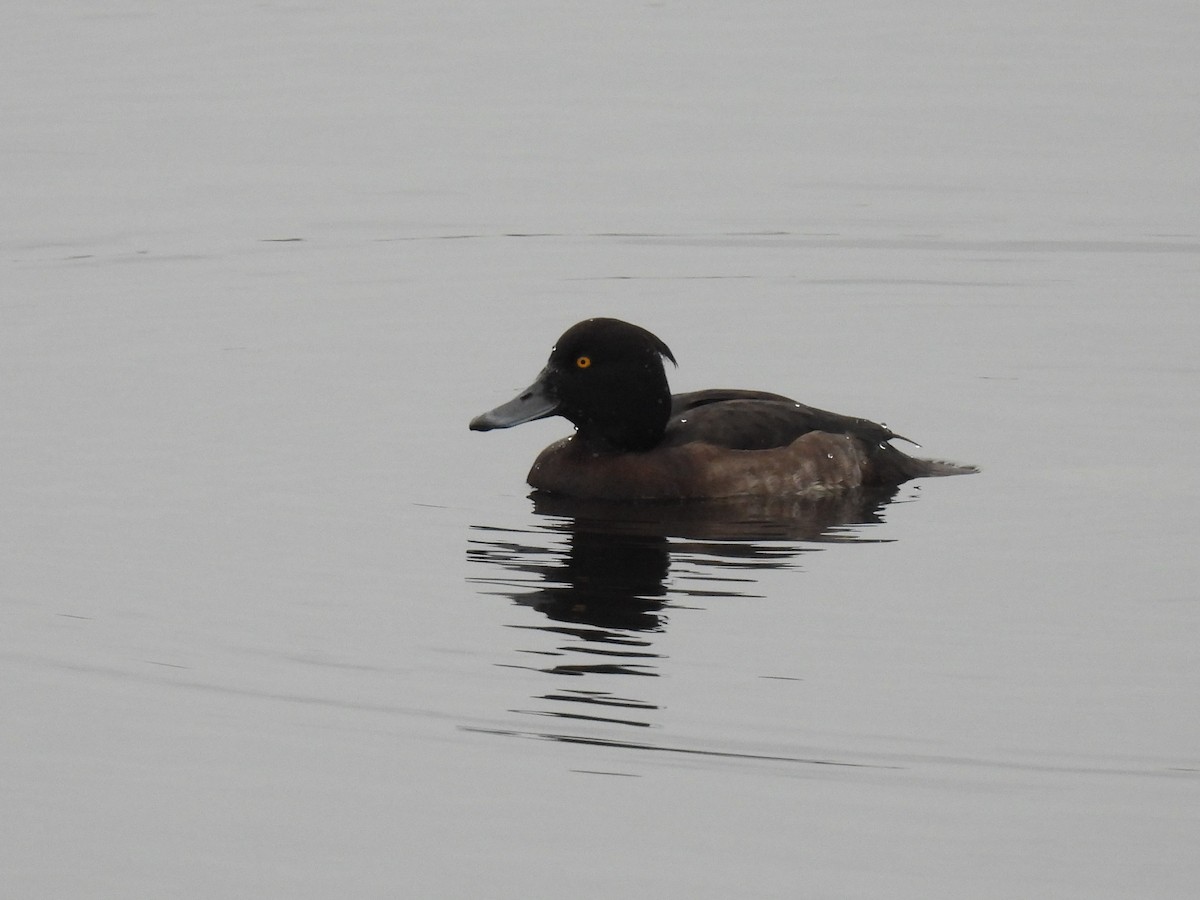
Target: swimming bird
{"type": "Point", "coordinates": [636, 441]}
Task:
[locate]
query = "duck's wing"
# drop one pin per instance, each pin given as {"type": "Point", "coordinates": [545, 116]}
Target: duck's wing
{"type": "Point", "coordinates": [757, 420]}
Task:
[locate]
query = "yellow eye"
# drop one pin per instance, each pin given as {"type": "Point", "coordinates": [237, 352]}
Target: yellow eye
{"type": "Point", "coordinates": [583, 362]}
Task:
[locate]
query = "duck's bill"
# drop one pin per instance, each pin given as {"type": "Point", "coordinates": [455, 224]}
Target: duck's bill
{"type": "Point", "coordinates": [531, 404]}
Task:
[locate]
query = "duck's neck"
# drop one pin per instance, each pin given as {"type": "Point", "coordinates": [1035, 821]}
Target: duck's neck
{"type": "Point", "coordinates": [634, 427]}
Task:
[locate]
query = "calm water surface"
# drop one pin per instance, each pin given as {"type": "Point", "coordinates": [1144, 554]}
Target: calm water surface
{"type": "Point", "coordinates": [275, 624]}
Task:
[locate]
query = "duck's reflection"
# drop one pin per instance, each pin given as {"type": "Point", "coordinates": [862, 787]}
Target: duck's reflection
{"type": "Point", "coordinates": [605, 580]}
{"type": "Point", "coordinates": [606, 575]}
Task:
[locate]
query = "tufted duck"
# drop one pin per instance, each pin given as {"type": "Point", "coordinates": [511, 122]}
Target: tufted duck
{"type": "Point", "coordinates": [635, 441]}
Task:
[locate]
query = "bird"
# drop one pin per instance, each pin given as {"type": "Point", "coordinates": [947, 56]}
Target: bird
{"type": "Point", "coordinates": [635, 441]}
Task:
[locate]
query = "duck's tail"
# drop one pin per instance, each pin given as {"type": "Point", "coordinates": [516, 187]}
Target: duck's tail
{"type": "Point", "coordinates": [892, 466]}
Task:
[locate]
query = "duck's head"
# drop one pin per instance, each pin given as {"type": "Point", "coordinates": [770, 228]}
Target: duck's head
{"type": "Point", "coordinates": [607, 378]}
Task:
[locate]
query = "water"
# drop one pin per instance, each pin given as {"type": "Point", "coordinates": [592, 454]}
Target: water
{"type": "Point", "coordinates": [276, 624]}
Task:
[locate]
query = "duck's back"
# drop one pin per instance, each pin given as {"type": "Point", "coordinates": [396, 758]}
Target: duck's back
{"type": "Point", "coordinates": [759, 420]}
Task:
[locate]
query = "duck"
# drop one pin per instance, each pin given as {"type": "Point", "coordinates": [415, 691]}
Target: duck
{"type": "Point", "coordinates": [636, 441]}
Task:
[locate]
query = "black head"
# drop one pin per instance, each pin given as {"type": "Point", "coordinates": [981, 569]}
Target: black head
{"type": "Point", "coordinates": [605, 376]}
{"type": "Point", "coordinates": [609, 379]}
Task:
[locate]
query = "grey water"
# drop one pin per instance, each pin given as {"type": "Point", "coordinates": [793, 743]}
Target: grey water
{"type": "Point", "coordinates": [274, 623]}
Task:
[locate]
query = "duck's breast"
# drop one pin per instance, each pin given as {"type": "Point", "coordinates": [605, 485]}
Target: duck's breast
{"type": "Point", "coordinates": [814, 463]}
